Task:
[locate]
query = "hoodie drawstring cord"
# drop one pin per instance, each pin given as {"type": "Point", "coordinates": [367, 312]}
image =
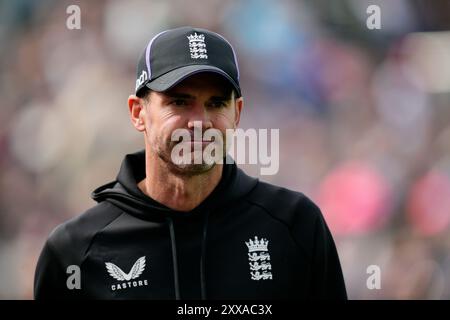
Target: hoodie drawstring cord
{"type": "Point", "coordinates": [203, 257]}
{"type": "Point", "coordinates": [174, 259]}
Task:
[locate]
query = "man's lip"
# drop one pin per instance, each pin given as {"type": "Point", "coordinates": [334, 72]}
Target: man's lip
{"type": "Point", "coordinates": [197, 142]}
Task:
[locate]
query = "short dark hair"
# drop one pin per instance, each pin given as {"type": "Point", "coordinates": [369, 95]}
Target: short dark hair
{"type": "Point", "coordinates": [144, 93]}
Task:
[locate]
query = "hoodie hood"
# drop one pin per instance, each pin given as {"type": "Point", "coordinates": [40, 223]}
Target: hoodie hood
{"type": "Point", "coordinates": [125, 194]}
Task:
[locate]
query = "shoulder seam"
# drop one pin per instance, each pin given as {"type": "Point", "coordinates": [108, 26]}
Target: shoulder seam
{"type": "Point", "coordinates": [100, 229]}
{"type": "Point", "coordinates": [300, 246]}
{"type": "Point", "coordinates": [55, 254]}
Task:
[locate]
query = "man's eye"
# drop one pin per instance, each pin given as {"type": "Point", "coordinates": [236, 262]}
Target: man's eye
{"type": "Point", "coordinates": [217, 104]}
{"type": "Point", "coordinates": [178, 102]}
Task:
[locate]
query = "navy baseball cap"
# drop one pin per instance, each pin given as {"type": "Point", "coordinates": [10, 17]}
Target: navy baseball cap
{"type": "Point", "coordinates": [173, 55]}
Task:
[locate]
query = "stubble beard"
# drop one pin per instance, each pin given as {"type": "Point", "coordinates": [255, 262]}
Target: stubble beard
{"type": "Point", "coordinates": [163, 149]}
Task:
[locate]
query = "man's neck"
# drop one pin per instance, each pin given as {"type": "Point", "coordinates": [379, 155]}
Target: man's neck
{"type": "Point", "coordinates": [178, 192]}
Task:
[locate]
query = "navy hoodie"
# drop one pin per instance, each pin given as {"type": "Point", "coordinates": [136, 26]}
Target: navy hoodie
{"type": "Point", "coordinates": [247, 240]}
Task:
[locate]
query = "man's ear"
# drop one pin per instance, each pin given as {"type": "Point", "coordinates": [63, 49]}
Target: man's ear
{"type": "Point", "coordinates": [239, 104]}
{"type": "Point", "coordinates": [137, 112]}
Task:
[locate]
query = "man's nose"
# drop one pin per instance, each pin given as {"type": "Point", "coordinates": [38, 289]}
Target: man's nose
{"type": "Point", "coordinates": [200, 114]}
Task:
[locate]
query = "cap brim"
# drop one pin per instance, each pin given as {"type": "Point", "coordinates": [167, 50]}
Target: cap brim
{"type": "Point", "coordinates": [172, 78]}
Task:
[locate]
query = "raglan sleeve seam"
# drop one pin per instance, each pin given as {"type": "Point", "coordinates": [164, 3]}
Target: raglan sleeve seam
{"type": "Point", "coordinates": [48, 260]}
{"type": "Point", "coordinates": [289, 228]}
{"type": "Point", "coordinates": [94, 235]}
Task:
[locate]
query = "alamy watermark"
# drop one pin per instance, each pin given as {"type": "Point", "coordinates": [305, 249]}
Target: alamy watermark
{"type": "Point", "coordinates": [211, 146]}
{"type": "Point", "coordinates": [73, 21]}
{"type": "Point", "coordinates": [74, 279]}
{"type": "Point", "coordinates": [374, 280]}
{"type": "Point", "coordinates": [374, 20]}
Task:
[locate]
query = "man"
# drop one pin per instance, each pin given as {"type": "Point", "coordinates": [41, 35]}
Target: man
{"type": "Point", "coordinates": [169, 229]}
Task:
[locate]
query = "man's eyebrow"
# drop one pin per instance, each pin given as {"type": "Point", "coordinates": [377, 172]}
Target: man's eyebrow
{"type": "Point", "coordinates": [220, 98]}
{"type": "Point", "coordinates": [179, 95]}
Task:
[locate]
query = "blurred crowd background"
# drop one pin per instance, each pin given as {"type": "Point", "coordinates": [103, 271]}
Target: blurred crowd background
{"type": "Point", "coordinates": [364, 119]}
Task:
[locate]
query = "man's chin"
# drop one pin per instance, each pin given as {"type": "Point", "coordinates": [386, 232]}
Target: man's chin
{"type": "Point", "coordinates": [195, 163]}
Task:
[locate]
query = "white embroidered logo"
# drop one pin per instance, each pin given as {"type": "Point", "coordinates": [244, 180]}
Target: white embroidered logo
{"type": "Point", "coordinates": [117, 273]}
{"type": "Point", "coordinates": [143, 77]}
{"type": "Point", "coordinates": [197, 46]}
{"type": "Point", "coordinates": [259, 259]}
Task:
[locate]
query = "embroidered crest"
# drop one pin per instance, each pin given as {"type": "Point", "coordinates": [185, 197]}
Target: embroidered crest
{"type": "Point", "coordinates": [259, 259]}
{"type": "Point", "coordinates": [197, 46]}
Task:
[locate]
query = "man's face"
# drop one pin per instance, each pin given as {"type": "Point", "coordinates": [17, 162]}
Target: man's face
{"type": "Point", "coordinates": [204, 97]}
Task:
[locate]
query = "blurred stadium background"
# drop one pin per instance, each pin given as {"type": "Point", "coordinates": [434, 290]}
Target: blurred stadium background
{"type": "Point", "coordinates": [364, 119]}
